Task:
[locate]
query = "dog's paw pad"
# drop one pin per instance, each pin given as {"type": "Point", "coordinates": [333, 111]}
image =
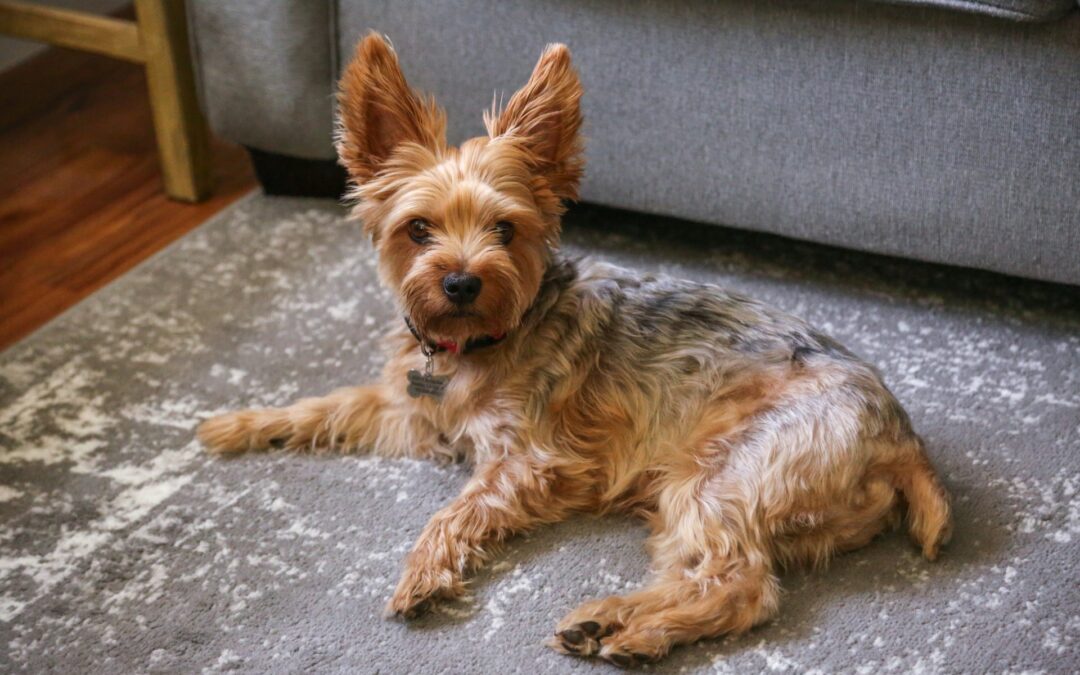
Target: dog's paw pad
{"type": "Point", "coordinates": [574, 642]}
{"type": "Point", "coordinates": [620, 659]}
{"type": "Point", "coordinates": [632, 647]}
{"type": "Point", "coordinates": [644, 658]}
{"type": "Point", "coordinates": [581, 639]}
{"type": "Point", "coordinates": [626, 660]}
{"type": "Point", "coordinates": [591, 628]}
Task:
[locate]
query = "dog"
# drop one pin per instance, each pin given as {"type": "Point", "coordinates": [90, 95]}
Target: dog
{"type": "Point", "coordinates": [749, 441]}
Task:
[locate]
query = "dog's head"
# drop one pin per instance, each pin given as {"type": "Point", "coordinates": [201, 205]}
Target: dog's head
{"type": "Point", "coordinates": [463, 234]}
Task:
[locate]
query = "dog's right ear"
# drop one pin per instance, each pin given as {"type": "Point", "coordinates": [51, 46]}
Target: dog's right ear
{"type": "Point", "coordinates": [544, 117]}
{"type": "Point", "coordinates": [377, 111]}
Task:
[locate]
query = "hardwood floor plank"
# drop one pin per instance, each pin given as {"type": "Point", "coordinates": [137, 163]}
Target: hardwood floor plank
{"type": "Point", "coordinates": [81, 194]}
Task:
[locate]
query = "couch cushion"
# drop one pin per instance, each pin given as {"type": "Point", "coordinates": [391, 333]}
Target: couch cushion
{"type": "Point", "coordinates": [1017, 10]}
{"type": "Point", "coordinates": [892, 127]}
{"type": "Point", "coordinates": [941, 135]}
{"type": "Point", "coordinates": [266, 72]}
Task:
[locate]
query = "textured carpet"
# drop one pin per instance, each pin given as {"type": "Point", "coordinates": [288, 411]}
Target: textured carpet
{"type": "Point", "coordinates": [124, 549]}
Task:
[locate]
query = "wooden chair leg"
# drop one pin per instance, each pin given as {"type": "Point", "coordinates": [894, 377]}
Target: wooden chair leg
{"type": "Point", "coordinates": [182, 137]}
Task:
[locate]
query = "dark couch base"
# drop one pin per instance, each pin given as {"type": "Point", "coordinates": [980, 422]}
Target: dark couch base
{"type": "Point", "coordinates": [286, 176]}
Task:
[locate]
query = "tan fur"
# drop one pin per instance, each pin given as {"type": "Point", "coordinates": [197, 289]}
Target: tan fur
{"type": "Point", "coordinates": [747, 440]}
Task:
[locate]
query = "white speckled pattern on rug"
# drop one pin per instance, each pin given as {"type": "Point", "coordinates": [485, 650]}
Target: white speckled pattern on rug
{"type": "Point", "coordinates": [125, 549]}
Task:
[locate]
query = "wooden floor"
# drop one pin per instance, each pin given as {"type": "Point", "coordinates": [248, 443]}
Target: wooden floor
{"type": "Point", "coordinates": [81, 198]}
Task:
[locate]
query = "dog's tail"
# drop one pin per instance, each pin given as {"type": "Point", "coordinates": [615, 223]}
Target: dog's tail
{"type": "Point", "coordinates": [929, 516]}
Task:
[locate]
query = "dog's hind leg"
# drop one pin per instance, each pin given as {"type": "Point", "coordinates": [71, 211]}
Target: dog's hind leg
{"type": "Point", "coordinates": [356, 417]}
{"type": "Point", "coordinates": [714, 573]}
{"type": "Point", "coordinates": [740, 594]}
{"type": "Point", "coordinates": [679, 606]}
{"type": "Point", "coordinates": [788, 488]}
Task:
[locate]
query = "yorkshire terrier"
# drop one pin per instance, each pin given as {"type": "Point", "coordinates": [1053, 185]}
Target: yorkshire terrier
{"type": "Point", "coordinates": [748, 440]}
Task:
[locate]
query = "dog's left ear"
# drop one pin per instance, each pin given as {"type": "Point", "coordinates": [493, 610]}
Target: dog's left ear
{"type": "Point", "coordinates": [378, 111]}
{"type": "Point", "coordinates": [544, 118]}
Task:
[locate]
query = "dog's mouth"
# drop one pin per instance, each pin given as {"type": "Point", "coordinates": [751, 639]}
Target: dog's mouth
{"type": "Point", "coordinates": [459, 325]}
{"type": "Point", "coordinates": [453, 324]}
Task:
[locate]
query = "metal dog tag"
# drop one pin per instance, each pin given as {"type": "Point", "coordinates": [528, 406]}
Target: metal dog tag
{"type": "Point", "coordinates": [427, 383]}
{"type": "Point", "coordinates": [423, 384]}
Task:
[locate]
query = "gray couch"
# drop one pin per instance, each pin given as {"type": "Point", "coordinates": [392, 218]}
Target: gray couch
{"type": "Point", "coordinates": [944, 130]}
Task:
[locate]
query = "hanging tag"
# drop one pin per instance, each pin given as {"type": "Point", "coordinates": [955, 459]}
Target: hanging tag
{"type": "Point", "coordinates": [426, 383]}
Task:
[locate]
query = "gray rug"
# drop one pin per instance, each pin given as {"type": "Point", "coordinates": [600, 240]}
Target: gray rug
{"type": "Point", "coordinates": [123, 548]}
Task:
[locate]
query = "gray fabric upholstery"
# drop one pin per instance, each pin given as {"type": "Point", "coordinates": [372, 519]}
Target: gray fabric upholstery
{"type": "Point", "coordinates": [266, 72]}
{"type": "Point", "coordinates": [926, 133]}
{"type": "Point", "coordinates": [1017, 10]}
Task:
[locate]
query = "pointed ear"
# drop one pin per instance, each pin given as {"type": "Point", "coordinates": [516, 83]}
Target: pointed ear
{"type": "Point", "coordinates": [544, 118]}
{"type": "Point", "coordinates": [377, 111]}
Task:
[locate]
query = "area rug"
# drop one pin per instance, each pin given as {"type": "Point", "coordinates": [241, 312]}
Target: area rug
{"type": "Point", "coordinates": [123, 548]}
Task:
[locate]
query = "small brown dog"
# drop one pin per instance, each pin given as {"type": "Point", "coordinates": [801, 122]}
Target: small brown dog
{"type": "Point", "coordinates": [747, 439]}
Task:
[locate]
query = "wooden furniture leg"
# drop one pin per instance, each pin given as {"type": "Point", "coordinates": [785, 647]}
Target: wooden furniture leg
{"type": "Point", "coordinates": [158, 39]}
{"type": "Point", "coordinates": [181, 131]}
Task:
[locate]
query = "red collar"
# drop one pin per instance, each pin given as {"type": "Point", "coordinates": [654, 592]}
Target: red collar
{"type": "Point", "coordinates": [453, 347]}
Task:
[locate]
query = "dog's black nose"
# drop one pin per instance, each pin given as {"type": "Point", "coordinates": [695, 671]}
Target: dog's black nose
{"type": "Point", "coordinates": [461, 288]}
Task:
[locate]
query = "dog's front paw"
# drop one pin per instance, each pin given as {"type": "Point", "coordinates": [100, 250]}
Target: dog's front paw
{"type": "Point", "coordinates": [419, 588]}
{"type": "Point", "coordinates": [242, 431]}
{"type": "Point", "coordinates": [226, 433]}
{"type": "Point", "coordinates": [245, 430]}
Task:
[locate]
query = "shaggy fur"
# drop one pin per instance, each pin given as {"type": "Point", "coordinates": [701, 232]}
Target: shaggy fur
{"type": "Point", "coordinates": [748, 440]}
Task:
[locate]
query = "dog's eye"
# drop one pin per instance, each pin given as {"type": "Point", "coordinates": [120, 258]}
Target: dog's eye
{"type": "Point", "coordinates": [505, 230]}
{"type": "Point", "coordinates": [419, 230]}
